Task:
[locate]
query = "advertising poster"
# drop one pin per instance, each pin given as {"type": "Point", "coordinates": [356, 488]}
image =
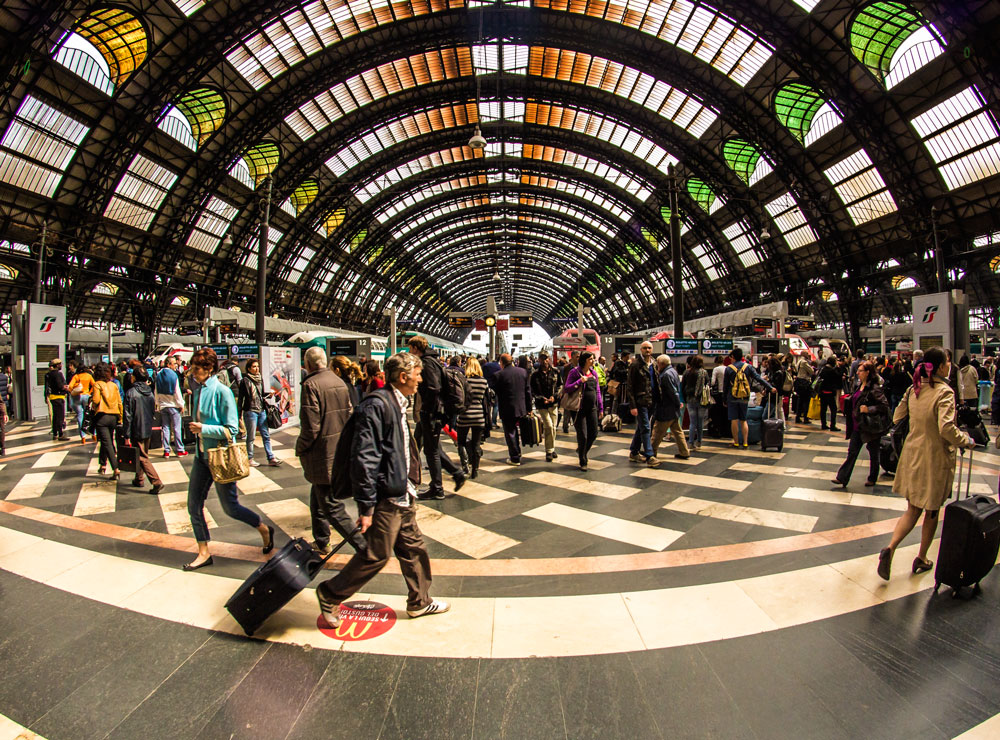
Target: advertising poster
{"type": "Point", "coordinates": [281, 367]}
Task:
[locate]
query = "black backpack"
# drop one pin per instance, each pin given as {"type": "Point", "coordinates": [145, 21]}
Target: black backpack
{"type": "Point", "coordinates": [341, 482]}
{"type": "Point", "coordinates": [454, 392]}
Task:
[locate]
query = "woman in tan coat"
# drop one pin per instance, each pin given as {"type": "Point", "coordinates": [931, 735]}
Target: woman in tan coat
{"type": "Point", "coordinates": [926, 470]}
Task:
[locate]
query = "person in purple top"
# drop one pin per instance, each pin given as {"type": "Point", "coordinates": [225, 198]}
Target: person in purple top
{"type": "Point", "coordinates": [584, 377]}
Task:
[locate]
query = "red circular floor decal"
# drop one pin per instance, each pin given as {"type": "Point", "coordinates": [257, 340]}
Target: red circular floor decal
{"type": "Point", "coordinates": [360, 620]}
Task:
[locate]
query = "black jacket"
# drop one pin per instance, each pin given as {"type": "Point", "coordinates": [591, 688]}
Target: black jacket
{"type": "Point", "coordinates": [831, 379]}
{"type": "Point", "coordinates": [431, 384]}
{"type": "Point", "coordinates": [639, 383]}
{"type": "Point", "coordinates": [513, 393]}
{"type": "Point", "coordinates": [872, 397]}
{"type": "Point", "coordinates": [139, 407]}
{"type": "Point", "coordinates": [378, 458]}
{"type": "Point", "coordinates": [545, 384]}
{"type": "Point", "coordinates": [244, 397]}
{"type": "Point", "coordinates": [55, 383]}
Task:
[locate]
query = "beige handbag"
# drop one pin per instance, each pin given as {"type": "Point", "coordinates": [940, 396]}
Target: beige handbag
{"type": "Point", "coordinates": [227, 463]}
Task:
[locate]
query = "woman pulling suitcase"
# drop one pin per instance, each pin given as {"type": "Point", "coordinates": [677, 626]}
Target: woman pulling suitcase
{"type": "Point", "coordinates": [926, 470]}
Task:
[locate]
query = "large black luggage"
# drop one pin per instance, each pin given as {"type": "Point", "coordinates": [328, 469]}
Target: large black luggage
{"type": "Point", "coordinates": [531, 430]}
{"type": "Point", "coordinates": [126, 453]}
{"type": "Point", "coordinates": [970, 538]}
{"type": "Point", "coordinates": [189, 438]}
{"type": "Point", "coordinates": [276, 582]}
{"type": "Point", "coordinates": [772, 429]}
{"type": "Point", "coordinates": [891, 445]}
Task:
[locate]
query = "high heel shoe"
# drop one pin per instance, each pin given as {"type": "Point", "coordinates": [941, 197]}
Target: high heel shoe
{"type": "Point", "coordinates": [204, 564]}
{"type": "Point", "coordinates": [101, 470]}
{"type": "Point", "coordinates": [115, 475]}
{"type": "Point", "coordinates": [884, 564]}
{"type": "Point", "coordinates": [922, 566]}
{"type": "Point", "coordinates": [270, 540]}
{"type": "Point", "coordinates": [838, 482]}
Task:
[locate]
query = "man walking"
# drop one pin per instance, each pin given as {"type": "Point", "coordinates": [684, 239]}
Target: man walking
{"type": "Point", "coordinates": [138, 411]}
{"type": "Point", "coordinates": [667, 411]}
{"type": "Point", "coordinates": [170, 399]}
{"type": "Point", "coordinates": [513, 400]}
{"type": "Point", "coordinates": [384, 470]}
{"type": "Point", "coordinates": [432, 419]}
{"type": "Point", "coordinates": [739, 375]}
{"type": "Point", "coordinates": [490, 369]}
{"type": "Point", "coordinates": [545, 390]}
{"type": "Point", "coordinates": [640, 388]}
{"type": "Point", "coordinates": [325, 409]}
{"type": "Point", "coordinates": [803, 390]}
{"type": "Point", "coordinates": [55, 394]}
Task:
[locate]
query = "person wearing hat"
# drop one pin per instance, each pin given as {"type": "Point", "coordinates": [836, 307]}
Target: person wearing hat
{"type": "Point", "coordinates": [55, 394]}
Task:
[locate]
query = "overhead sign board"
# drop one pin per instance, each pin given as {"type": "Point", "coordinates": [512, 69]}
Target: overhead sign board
{"type": "Point", "coordinates": [762, 325]}
{"type": "Point", "coordinates": [680, 347]}
{"type": "Point", "coordinates": [460, 320]}
{"type": "Point", "coordinates": [244, 351]}
{"type": "Point", "coordinates": [221, 351]}
{"type": "Point", "coordinates": [503, 324]}
{"type": "Point", "coordinates": [480, 324]}
{"type": "Point", "coordinates": [716, 346]}
{"type": "Point", "coordinates": [768, 346]}
{"type": "Point", "coordinates": [520, 321]}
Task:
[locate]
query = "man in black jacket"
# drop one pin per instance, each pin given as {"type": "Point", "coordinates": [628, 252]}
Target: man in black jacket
{"type": "Point", "coordinates": [640, 389]}
{"type": "Point", "coordinates": [545, 389]}
{"type": "Point", "coordinates": [55, 394]}
{"type": "Point", "coordinates": [514, 400]}
{"type": "Point", "coordinates": [139, 408]}
{"type": "Point", "coordinates": [385, 469]}
{"type": "Point", "coordinates": [432, 419]}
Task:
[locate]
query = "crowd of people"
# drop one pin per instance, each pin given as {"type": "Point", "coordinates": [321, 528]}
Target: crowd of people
{"type": "Point", "coordinates": [378, 461]}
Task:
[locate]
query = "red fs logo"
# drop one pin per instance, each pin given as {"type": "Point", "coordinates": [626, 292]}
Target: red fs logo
{"type": "Point", "coordinates": [929, 313]}
{"type": "Point", "coordinates": [47, 323]}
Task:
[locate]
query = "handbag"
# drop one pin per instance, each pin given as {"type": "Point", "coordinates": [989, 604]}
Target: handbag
{"type": "Point", "coordinates": [873, 423]}
{"type": "Point", "coordinates": [227, 463]}
{"type": "Point", "coordinates": [571, 401]}
{"type": "Point", "coordinates": [706, 395]}
{"type": "Point", "coordinates": [274, 420]}
{"type": "Point", "coordinates": [613, 386]}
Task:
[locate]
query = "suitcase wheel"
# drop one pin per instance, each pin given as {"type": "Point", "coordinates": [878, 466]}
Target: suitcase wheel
{"type": "Point", "coordinates": [937, 586]}
{"type": "Point", "coordinates": [779, 447]}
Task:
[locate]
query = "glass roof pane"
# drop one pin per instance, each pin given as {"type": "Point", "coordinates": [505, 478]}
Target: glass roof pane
{"type": "Point", "coordinates": [744, 241]}
{"type": "Point", "coordinates": [261, 160]}
{"type": "Point", "coordinates": [38, 146]}
{"type": "Point", "coordinates": [860, 187]}
{"type": "Point", "coordinates": [880, 30]}
{"type": "Point", "coordinates": [211, 226]}
{"type": "Point", "coordinates": [140, 193]}
{"type": "Point", "coordinates": [120, 38]}
{"type": "Point", "coordinates": [797, 105]}
{"type": "Point", "coordinates": [205, 110]}
{"type": "Point", "coordinates": [374, 84]}
{"type": "Point", "coordinates": [303, 195]}
{"type": "Point", "coordinates": [791, 221]}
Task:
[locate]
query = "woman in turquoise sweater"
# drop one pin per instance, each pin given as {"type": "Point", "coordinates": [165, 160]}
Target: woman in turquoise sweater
{"type": "Point", "coordinates": [215, 422]}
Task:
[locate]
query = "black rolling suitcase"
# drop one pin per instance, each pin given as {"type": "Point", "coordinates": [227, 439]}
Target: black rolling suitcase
{"type": "Point", "coordinates": [772, 429]}
{"type": "Point", "coordinates": [970, 422]}
{"type": "Point", "coordinates": [970, 538]}
{"type": "Point", "coordinates": [531, 430]}
{"type": "Point", "coordinates": [126, 453]}
{"type": "Point", "coordinates": [275, 583]}
{"type": "Point", "coordinates": [189, 439]}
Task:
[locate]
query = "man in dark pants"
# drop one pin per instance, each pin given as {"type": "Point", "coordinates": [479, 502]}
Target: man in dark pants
{"type": "Point", "coordinates": [514, 400]}
{"type": "Point", "coordinates": [139, 408]}
{"type": "Point", "coordinates": [432, 419]}
{"type": "Point", "coordinates": [385, 469]}
{"type": "Point", "coordinates": [325, 409]}
{"type": "Point", "coordinates": [55, 394]}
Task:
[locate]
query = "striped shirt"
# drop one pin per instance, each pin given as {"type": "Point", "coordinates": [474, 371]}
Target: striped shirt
{"type": "Point", "coordinates": [473, 415]}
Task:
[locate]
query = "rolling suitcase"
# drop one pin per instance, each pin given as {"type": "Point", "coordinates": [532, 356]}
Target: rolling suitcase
{"type": "Point", "coordinates": [772, 430]}
{"type": "Point", "coordinates": [755, 415]}
{"type": "Point", "coordinates": [276, 582]}
{"type": "Point", "coordinates": [970, 538]}
{"type": "Point", "coordinates": [126, 454]}
{"type": "Point", "coordinates": [189, 439]}
{"type": "Point", "coordinates": [970, 422]}
{"type": "Point", "coordinates": [531, 430]}
{"type": "Point", "coordinates": [611, 423]}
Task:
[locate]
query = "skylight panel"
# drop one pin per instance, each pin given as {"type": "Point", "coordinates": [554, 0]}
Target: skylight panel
{"type": "Point", "coordinates": [791, 221]}
{"type": "Point", "coordinates": [708, 260]}
{"type": "Point", "coordinates": [252, 242]}
{"type": "Point", "coordinates": [962, 138]}
{"type": "Point", "coordinates": [241, 172]}
{"type": "Point", "coordinates": [211, 226]}
{"type": "Point", "coordinates": [300, 33]}
{"type": "Point", "coordinates": [412, 168]}
{"type": "Point", "coordinates": [376, 83]}
{"type": "Point", "coordinates": [300, 264]}
{"type": "Point", "coordinates": [632, 185]}
{"type": "Point", "coordinates": [501, 110]}
{"type": "Point", "coordinates": [744, 242]}
{"type": "Point", "coordinates": [140, 193]}
{"type": "Point", "coordinates": [323, 279]}
{"type": "Point", "coordinates": [860, 188]}
{"type": "Point", "coordinates": [579, 190]}
{"type": "Point", "coordinates": [807, 5]}
{"type": "Point", "coordinates": [987, 240]}
{"type": "Point", "coordinates": [489, 57]}
{"type": "Point", "coordinates": [38, 146]}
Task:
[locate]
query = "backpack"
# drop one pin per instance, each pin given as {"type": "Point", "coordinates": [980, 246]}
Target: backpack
{"type": "Point", "coordinates": [454, 392]}
{"type": "Point", "coordinates": [341, 482]}
{"type": "Point", "coordinates": [227, 378]}
{"type": "Point", "coordinates": [741, 386]}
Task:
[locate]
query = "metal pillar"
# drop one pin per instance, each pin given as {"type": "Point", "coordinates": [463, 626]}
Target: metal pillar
{"type": "Point", "coordinates": [675, 255]}
{"type": "Point", "coordinates": [881, 325]}
{"type": "Point", "coordinates": [938, 257]}
{"type": "Point", "coordinates": [391, 313]}
{"type": "Point", "coordinates": [261, 334]}
{"type": "Point", "coordinates": [41, 265]}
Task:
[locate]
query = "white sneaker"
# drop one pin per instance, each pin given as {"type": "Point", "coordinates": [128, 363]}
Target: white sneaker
{"type": "Point", "coordinates": [254, 464]}
{"type": "Point", "coordinates": [435, 607]}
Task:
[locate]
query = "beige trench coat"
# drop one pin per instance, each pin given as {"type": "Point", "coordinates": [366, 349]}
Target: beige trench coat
{"type": "Point", "coordinates": [926, 471]}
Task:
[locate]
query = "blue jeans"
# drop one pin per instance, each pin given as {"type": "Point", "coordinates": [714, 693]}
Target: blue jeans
{"type": "Point", "coordinates": [641, 436]}
{"type": "Point", "coordinates": [255, 420]}
{"type": "Point", "coordinates": [170, 425]}
{"type": "Point", "coordinates": [696, 415]}
{"type": "Point", "coordinates": [80, 404]}
{"type": "Point", "coordinates": [201, 481]}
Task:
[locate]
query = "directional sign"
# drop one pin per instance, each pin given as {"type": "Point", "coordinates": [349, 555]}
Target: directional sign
{"type": "Point", "coordinates": [680, 347]}
{"type": "Point", "coordinates": [716, 346]}
{"type": "Point", "coordinates": [460, 320]}
{"type": "Point", "coordinates": [521, 321]}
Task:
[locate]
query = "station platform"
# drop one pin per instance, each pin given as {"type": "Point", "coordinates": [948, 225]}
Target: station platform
{"type": "Point", "coordinates": [730, 595]}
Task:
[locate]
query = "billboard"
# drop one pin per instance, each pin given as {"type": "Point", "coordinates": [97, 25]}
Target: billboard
{"type": "Point", "coordinates": [282, 371]}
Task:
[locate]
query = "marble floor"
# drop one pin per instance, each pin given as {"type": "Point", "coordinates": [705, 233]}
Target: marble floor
{"type": "Point", "coordinates": [732, 594]}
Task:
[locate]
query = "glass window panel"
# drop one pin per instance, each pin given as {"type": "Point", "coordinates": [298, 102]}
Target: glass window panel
{"type": "Point", "coordinates": [38, 146]}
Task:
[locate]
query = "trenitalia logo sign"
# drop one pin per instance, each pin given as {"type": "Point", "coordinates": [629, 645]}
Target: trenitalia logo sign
{"type": "Point", "coordinates": [47, 323]}
{"type": "Point", "coordinates": [929, 314]}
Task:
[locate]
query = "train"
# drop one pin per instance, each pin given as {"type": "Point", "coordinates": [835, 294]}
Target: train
{"type": "Point", "coordinates": [569, 341]}
{"type": "Point", "coordinates": [379, 345]}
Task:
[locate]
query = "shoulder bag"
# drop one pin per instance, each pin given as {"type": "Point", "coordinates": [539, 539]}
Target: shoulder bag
{"type": "Point", "coordinates": [571, 401]}
{"type": "Point", "coordinates": [228, 463]}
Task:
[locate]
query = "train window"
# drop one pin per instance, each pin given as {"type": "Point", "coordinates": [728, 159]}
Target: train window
{"type": "Point", "coordinates": [590, 336]}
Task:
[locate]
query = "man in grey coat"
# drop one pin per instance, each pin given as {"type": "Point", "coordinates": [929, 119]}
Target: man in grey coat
{"type": "Point", "coordinates": [324, 411]}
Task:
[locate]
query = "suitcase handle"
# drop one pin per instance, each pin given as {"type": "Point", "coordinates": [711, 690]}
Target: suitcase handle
{"type": "Point", "coordinates": [968, 478]}
{"type": "Point", "coordinates": [337, 548]}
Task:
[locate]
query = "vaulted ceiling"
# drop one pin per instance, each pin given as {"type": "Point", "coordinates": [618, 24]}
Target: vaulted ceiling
{"type": "Point", "coordinates": [816, 148]}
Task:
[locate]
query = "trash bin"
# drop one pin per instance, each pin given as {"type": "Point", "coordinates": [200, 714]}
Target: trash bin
{"type": "Point", "coordinates": [985, 395]}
